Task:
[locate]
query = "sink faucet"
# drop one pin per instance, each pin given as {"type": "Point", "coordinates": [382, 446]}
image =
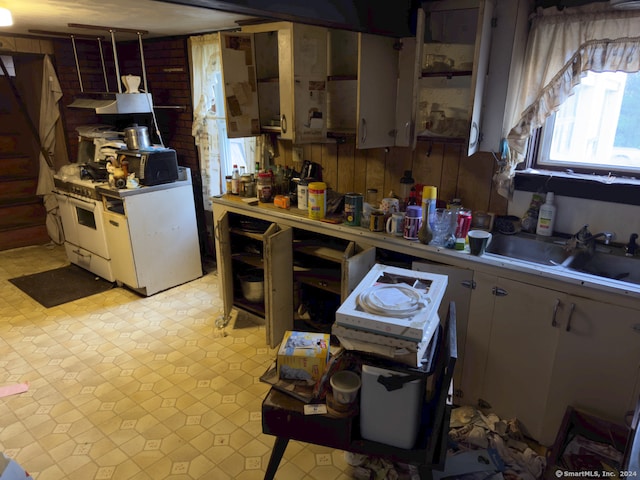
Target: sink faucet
{"type": "Point", "coordinates": [632, 247]}
{"type": "Point", "coordinates": [586, 240]}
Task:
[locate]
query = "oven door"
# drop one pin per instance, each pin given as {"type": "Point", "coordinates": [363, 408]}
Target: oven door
{"type": "Point", "coordinates": [87, 227]}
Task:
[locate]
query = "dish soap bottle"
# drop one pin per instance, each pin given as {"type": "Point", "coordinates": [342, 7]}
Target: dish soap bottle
{"type": "Point", "coordinates": [546, 217]}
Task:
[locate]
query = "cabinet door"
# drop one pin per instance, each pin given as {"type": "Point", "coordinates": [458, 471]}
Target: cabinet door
{"type": "Point", "coordinates": [239, 81]}
{"type": "Point", "coordinates": [476, 345]}
{"type": "Point", "coordinates": [596, 363]}
{"type": "Point", "coordinates": [459, 287]}
{"type": "Point", "coordinates": [354, 268]}
{"type": "Point", "coordinates": [303, 95]}
{"type": "Point", "coordinates": [278, 273]}
{"type": "Point", "coordinates": [122, 262]}
{"type": "Point", "coordinates": [223, 257]}
{"type": "Point", "coordinates": [480, 67]}
{"type": "Point", "coordinates": [522, 349]}
{"type": "Point", "coordinates": [377, 84]}
{"type": "Point", "coordinates": [409, 72]}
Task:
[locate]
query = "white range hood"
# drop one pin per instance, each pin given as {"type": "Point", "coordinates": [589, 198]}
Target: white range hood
{"type": "Point", "coordinates": [114, 103]}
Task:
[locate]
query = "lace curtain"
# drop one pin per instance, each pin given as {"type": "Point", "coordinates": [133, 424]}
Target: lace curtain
{"type": "Point", "coordinates": [204, 53]}
{"type": "Point", "coordinates": [562, 46]}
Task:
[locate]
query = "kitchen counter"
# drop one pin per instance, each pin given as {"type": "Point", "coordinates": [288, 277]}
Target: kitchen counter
{"type": "Point", "coordinates": [551, 276]}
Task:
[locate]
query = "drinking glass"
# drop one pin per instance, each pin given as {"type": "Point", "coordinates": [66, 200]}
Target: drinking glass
{"type": "Point", "coordinates": [442, 226]}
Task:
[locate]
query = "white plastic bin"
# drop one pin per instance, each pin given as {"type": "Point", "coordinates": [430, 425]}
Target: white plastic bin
{"type": "Point", "coordinates": [390, 417]}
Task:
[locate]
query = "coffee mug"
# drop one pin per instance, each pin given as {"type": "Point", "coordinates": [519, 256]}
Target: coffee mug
{"type": "Point", "coordinates": [395, 224]}
{"type": "Point", "coordinates": [412, 222]}
{"type": "Point", "coordinates": [390, 205]}
{"type": "Point", "coordinates": [478, 241]}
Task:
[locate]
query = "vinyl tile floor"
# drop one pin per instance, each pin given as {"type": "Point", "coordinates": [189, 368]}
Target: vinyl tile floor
{"type": "Point", "coordinates": [127, 387]}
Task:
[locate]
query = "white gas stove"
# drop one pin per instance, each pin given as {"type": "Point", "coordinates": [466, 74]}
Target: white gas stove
{"type": "Point", "coordinates": [81, 211]}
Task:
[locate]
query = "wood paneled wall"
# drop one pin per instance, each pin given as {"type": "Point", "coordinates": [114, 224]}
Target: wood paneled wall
{"type": "Point", "coordinates": [445, 165]}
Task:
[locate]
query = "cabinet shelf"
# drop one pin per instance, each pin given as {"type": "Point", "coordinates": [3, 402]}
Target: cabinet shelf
{"type": "Point", "coordinates": [255, 308]}
{"type": "Point", "coordinates": [320, 251]}
{"type": "Point", "coordinates": [251, 259]}
{"type": "Point", "coordinates": [324, 279]}
{"type": "Point", "coordinates": [246, 233]}
{"type": "Point", "coordinates": [447, 74]}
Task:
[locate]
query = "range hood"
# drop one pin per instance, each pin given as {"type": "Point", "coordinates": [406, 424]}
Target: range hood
{"type": "Point", "coordinates": [114, 103]}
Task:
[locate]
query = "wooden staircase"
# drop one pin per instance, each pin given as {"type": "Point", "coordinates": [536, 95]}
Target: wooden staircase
{"type": "Point", "coordinates": [22, 213]}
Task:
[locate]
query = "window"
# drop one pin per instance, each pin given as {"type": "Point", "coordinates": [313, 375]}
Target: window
{"type": "Point", "coordinates": [595, 129]}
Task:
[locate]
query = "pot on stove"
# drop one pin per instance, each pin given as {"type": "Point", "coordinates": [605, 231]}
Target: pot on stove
{"type": "Point", "coordinates": [137, 137]}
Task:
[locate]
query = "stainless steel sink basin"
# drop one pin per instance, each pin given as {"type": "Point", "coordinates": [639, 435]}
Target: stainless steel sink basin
{"type": "Point", "coordinates": [528, 248]}
{"type": "Point", "coordinates": [606, 265]}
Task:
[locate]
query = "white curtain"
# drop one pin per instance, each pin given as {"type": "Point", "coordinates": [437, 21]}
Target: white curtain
{"type": "Point", "coordinates": [208, 111]}
{"type": "Point", "coordinates": [562, 46]}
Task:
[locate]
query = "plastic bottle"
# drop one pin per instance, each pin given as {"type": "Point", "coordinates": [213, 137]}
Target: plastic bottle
{"type": "Point", "coordinates": [406, 184]}
{"type": "Point", "coordinates": [235, 180]}
{"type": "Point", "coordinates": [429, 195]}
{"type": "Point", "coordinates": [546, 217]}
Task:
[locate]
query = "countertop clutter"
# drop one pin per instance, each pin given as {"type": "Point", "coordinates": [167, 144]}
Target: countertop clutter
{"type": "Point", "coordinates": [382, 239]}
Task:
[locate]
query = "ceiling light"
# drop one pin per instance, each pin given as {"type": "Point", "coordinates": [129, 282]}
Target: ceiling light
{"type": "Point", "coordinates": [5, 17]}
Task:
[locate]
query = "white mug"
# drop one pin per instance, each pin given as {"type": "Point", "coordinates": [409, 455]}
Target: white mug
{"type": "Point", "coordinates": [395, 224]}
{"type": "Point", "coordinates": [390, 205]}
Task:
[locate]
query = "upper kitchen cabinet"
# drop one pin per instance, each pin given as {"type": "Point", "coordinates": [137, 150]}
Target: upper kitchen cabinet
{"type": "Point", "coordinates": [275, 81]}
{"type": "Point", "coordinates": [362, 83]}
{"type": "Point", "coordinates": [454, 69]}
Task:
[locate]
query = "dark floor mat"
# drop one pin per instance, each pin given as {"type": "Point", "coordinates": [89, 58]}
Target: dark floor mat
{"type": "Point", "coordinates": [61, 285]}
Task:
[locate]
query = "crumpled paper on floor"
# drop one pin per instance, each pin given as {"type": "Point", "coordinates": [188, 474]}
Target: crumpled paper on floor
{"type": "Point", "coordinates": [471, 429]}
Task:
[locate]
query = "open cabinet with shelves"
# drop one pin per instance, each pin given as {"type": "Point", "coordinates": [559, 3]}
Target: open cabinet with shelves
{"type": "Point", "coordinates": [326, 269]}
{"type": "Point", "coordinates": [256, 253]}
{"type": "Point", "coordinates": [454, 64]}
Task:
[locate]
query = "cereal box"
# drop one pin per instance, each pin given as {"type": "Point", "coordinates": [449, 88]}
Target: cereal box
{"type": "Point", "coordinates": [303, 355]}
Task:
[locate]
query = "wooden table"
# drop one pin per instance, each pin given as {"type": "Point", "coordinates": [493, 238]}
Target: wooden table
{"type": "Point", "coordinates": [283, 416]}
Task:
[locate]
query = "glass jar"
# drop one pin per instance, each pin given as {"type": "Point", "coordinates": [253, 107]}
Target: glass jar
{"type": "Point", "coordinates": [265, 187]}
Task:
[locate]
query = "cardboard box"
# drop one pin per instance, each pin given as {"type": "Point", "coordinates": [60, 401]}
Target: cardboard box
{"type": "Point", "coordinates": [416, 327]}
{"type": "Point", "coordinates": [303, 355]}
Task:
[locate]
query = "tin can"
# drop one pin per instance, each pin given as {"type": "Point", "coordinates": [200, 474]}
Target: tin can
{"type": "Point", "coordinates": [463, 223]}
{"type": "Point", "coordinates": [353, 209]}
{"type": "Point", "coordinates": [303, 194]}
{"type": "Point", "coordinates": [317, 200]}
{"type": "Point", "coordinates": [377, 221]}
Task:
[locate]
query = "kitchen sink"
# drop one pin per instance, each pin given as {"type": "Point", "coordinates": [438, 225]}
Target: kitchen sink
{"type": "Point", "coordinates": [528, 248]}
{"type": "Point", "coordinates": [616, 267]}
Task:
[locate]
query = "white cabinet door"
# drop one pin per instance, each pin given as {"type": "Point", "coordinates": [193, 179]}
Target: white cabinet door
{"type": "Point", "coordinates": [596, 362]}
{"type": "Point", "coordinates": [278, 282]}
{"type": "Point", "coordinates": [239, 82]}
{"type": "Point", "coordinates": [303, 90]}
{"type": "Point", "coordinates": [521, 352]}
{"type": "Point", "coordinates": [354, 268]}
{"type": "Point", "coordinates": [223, 257]}
{"type": "Point", "coordinates": [377, 85]}
{"type": "Point", "coordinates": [123, 264]}
{"type": "Point", "coordinates": [480, 67]}
{"type": "Point", "coordinates": [409, 73]}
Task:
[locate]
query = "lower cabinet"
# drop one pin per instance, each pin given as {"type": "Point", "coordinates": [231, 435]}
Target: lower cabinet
{"type": "Point", "coordinates": [301, 272]}
{"type": "Point", "coordinates": [537, 351]}
{"type": "Point", "coordinates": [256, 254]}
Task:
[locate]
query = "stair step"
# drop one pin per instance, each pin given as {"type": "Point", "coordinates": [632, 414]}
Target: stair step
{"type": "Point", "coordinates": [23, 237]}
{"type": "Point", "coordinates": [20, 215]}
{"type": "Point", "coordinates": [17, 189]}
{"type": "Point", "coordinates": [20, 166]}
